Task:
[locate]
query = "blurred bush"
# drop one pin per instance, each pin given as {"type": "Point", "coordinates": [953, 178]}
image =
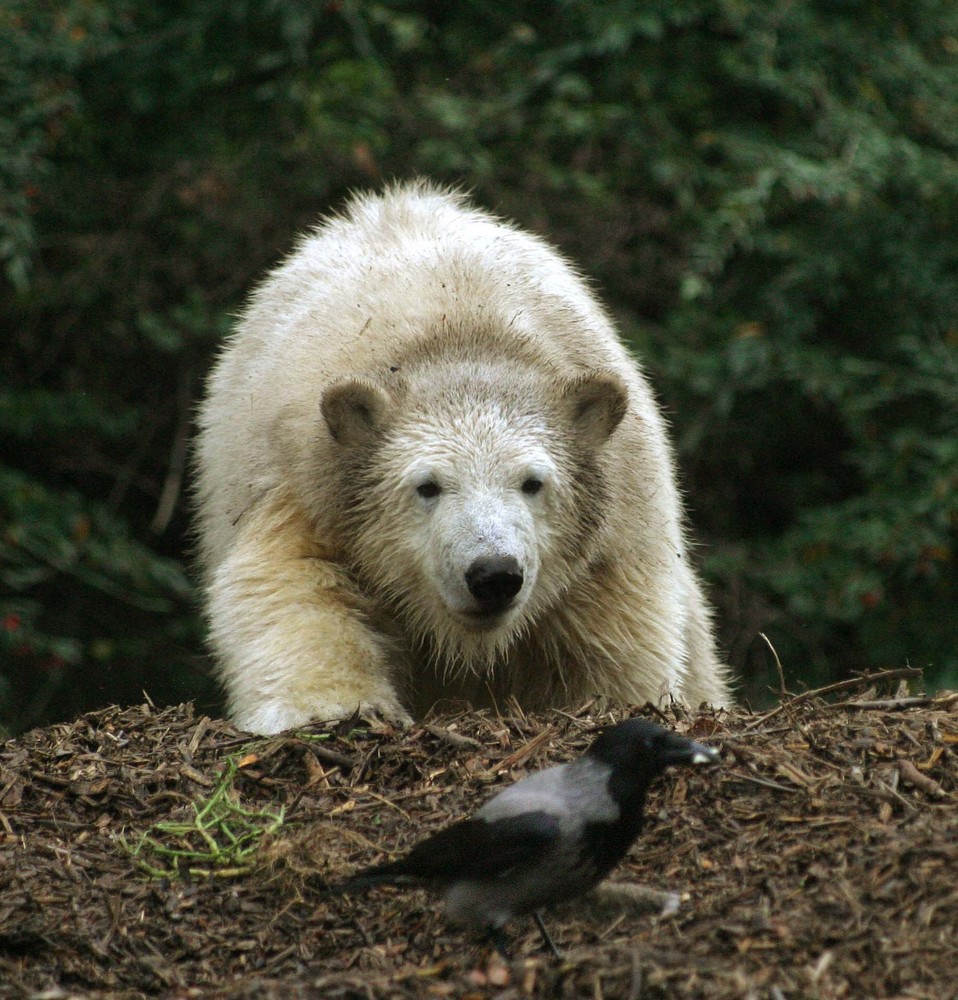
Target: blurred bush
{"type": "Point", "coordinates": [764, 192]}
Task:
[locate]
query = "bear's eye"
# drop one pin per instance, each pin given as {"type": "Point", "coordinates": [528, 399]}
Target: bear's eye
{"type": "Point", "coordinates": [532, 486]}
{"type": "Point", "coordinates": [429, 489]}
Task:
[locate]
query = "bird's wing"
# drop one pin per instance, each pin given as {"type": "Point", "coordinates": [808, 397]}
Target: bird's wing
{"type": "Point", "coordinates": [477, 849]}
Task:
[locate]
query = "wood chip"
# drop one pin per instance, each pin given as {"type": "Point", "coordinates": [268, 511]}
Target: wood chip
{"type": "Point", "coordinates": [819, 859]}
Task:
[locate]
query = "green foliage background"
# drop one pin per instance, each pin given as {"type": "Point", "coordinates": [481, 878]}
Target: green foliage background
{"type": "Point", "coordinates": [765, 192]}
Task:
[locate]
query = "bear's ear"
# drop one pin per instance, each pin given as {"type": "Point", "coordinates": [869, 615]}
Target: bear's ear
{"type": "Point", "coordinates": [355, 411]}
{"type": "Point", "coordinates": [597, 403]}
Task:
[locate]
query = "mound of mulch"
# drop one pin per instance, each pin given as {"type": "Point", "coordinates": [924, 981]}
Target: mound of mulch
{"type": "Point", "coordinates": [819, 860]}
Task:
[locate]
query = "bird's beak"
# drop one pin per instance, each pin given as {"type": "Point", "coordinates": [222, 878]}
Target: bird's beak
{"type": "Point", "coordinates": [679, 750]}
{"type": "Point", "coordinates": [703, 755]}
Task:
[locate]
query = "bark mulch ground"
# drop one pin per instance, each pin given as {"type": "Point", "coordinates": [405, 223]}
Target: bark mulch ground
{"type": "Point", "coordinates": [149, 852]}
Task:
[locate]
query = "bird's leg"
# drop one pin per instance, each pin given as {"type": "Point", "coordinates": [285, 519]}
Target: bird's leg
{"type": "Point", "coordinates": [498, 938]}
{"type": "Point", "coordinates": [546, 936]}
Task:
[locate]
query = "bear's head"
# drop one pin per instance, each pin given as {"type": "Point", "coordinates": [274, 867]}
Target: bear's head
{"type": "Point", "coordinates": [472, 493]}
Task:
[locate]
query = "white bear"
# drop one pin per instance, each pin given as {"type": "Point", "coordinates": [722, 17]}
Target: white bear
{"type": "Point", "coordinates": [427, 470]}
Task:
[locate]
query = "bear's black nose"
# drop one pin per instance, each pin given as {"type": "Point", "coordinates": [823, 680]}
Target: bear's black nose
{"type": "Point", "coordinates": [493, 582]}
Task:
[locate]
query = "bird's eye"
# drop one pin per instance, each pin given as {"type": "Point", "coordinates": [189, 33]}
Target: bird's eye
{"type": "Point", "coordinates": [532, 486]}
{"type": "Point", "coordinates": [429, 489]}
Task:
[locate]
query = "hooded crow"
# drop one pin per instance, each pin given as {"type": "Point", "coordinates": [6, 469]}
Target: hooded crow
{"type": "Point", "coordinates": [546, 839]}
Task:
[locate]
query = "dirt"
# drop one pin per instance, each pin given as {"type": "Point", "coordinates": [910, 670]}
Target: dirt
{"type": "Point", "coordinates": [818, 860]}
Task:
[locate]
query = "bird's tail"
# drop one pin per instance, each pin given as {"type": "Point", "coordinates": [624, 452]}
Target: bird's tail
{"type": "Point", "coordinates": [385, 874]}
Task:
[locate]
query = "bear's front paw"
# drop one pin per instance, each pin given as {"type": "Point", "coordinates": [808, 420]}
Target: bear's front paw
{"type": "Point", "coordinates": [271, 717]}
{"type": "Point", "coordinates": [384, 712]}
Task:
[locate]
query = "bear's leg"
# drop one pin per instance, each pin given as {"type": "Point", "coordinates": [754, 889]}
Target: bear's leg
{"type": "Point", "coordinates": [637, 639]}
{"type": "Point", "coordinates": [706, 677]}
{"type": "Point", "coordinates": [288, 632]}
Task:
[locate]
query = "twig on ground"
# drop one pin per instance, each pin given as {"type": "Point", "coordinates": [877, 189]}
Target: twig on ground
{"type": "Point", "coordinates": [944, 701]}
{"type": "Point", "coordinates": [847, 685]}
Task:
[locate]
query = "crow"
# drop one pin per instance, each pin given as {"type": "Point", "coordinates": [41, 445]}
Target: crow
{"type": "Point", "coordinates": [546, 839]}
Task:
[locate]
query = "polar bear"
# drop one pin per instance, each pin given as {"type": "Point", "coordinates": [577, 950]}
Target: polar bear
{"type": "Point", "coordinates": [428, 470]}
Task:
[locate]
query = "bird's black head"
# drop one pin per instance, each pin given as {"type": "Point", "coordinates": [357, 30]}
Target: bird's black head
{"type": "Point", "coordinates": [634, 751]}
{"type": "Point", "coordinates": [640, 749]}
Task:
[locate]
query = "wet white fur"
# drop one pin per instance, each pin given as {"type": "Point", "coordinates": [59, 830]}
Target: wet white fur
{"type": "Point", "coordinates": [314, 613]}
